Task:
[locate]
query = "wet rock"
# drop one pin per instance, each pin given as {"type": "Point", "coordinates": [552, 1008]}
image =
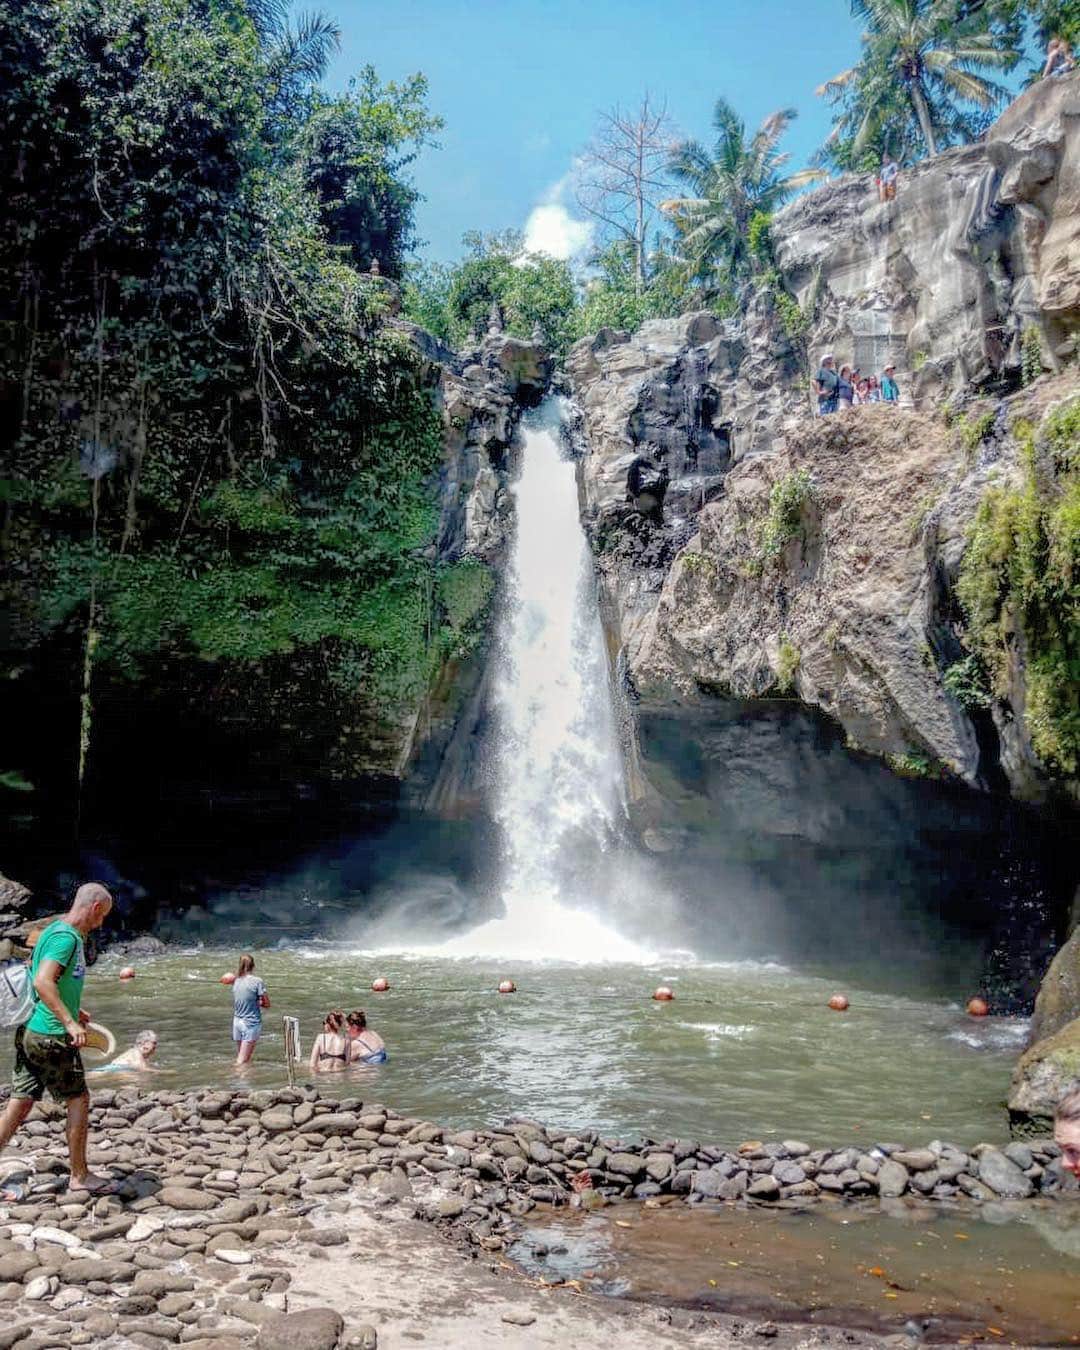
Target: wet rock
{"type": "Point", "coordinates": [708, 1184]}
{"type": "Point", "coordinates": [892, 1179]}
{"type": "Point", "coordinates": [789, 1173]}
{"type": "Point", "coordinates": [659, 1166]}
{"type": "Point", "coordinates": [1003, 1176]}
{"type": "Point", "coordinates": [1020, 1154]}
{"type": "Point", "coordinates": [765, 1187]}
{"type": "Point", "coordinates": [915, 1160]}
{"type": "Point", "coordinates": [626, 1165]}
{"type": "Point", "coordinates": [974, 1188]}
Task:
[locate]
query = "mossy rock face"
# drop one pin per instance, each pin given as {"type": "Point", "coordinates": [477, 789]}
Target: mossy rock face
{"type": "Point", "coordinates": [1058, 1002]}
{"type": "Point", "coordinates": [1044, 1074]}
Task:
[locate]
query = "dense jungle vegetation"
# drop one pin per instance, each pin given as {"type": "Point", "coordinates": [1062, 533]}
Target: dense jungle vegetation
{"type": "Point", "coordinates": [214, 449]}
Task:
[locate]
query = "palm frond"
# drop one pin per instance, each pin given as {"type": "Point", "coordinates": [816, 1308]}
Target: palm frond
{"type": "Point", "coordinates": [835, 87]}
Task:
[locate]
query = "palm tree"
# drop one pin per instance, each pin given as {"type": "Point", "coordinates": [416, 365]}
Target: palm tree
{"type": "Point", "coordinates": [296, 53]}
{"type": "Point", "coordinates": [739, 179]}
{"type": "Point", "coordinates": [922, 61]}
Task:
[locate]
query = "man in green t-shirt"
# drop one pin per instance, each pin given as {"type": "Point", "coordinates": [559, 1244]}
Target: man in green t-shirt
{"type": "Point", "coordinates": [47, 1047]}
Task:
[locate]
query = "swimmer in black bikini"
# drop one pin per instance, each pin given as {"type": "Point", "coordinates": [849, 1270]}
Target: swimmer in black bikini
{"type": "Point", "coordinates": [330, 1052]}
{"type": "Point", "coordinates": [365, 1046]}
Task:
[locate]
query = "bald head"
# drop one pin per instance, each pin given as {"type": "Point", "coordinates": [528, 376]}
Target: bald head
{"type": "Point", "coordinates": [91, 907]}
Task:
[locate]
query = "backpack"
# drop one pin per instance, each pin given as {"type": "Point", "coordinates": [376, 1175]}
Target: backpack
{"type": "Point", "coordinates": [16, 994]}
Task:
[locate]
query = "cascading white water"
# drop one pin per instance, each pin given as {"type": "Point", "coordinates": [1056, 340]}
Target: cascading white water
{"type": "Point", "coordinates": [557, 790]}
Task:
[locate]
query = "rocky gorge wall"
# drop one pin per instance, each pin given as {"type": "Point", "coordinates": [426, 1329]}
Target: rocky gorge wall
{"type": "Point", "coordinates": [690, 423]}
{"type": "Point", "coordinates": [759, 566]}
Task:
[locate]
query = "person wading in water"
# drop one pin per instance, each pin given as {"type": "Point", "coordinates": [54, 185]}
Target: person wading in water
{"type": "Point", "coordinates": [47, 1047]}
{"type": "Point", "coordinates": [366, 1046]}
{"type": "Point", "coordinates": [330, 1051]}
{"type": "Point", "coordinates": [249, 1000]}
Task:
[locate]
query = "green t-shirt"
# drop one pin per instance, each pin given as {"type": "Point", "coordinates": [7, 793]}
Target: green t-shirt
{"type": "Point", "coordinates": [63, 944]}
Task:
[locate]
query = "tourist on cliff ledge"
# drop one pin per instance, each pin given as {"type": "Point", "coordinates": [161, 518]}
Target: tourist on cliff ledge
{"type": "Point", "coordinates": [845, 389]}
{"type": "Point", "coordinates": [887, 177]}
{"type": "Point", "coordinates": [890, 390]}
{"type": "Point", "coordinates": [826, 382]}
{"type": "Point", "coordinates": [366, 1046]}
{"type": "Point", "coordinates": [47, 1047]}
{"type": "Point", "coordinates": [1059, 58]}
{"type": "Point", "coordinates": [249, 1000]}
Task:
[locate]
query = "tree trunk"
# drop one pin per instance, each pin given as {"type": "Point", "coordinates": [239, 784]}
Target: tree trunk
{"type": "Point", "coordinates": [922, 112]}
{"type": "Point", "coordinates": [639, 221]}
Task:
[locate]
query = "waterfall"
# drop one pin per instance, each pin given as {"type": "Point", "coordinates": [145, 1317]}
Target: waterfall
{"type": "Point", "coordinates": [558, 772]}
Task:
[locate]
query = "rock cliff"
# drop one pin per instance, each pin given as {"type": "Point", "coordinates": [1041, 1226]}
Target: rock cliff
{"type": "Point", "coordinates": [746, 548]}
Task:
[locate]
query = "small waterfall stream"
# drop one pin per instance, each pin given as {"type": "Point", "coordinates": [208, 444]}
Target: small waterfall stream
{"type": "Point", "coordinates": [557, 789]}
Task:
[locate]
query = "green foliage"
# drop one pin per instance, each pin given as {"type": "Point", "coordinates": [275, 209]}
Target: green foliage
{"type": "Point", "coordinates": [974, 430]}
{"type": "Point", "coordinates": [923, 80]}
{"type": "Point", "coordinates": [921, 514]}
{"type": "Point", "coordinates": [353, 151]}
{"type": "Point", "coordinates": [788, 500]}
{"type": "Point", "coordinates": [531, 289]}
{"type": "Point", "coordinates": [1031, 362]}
{"type": "Point", "coordinates": [966, 680]}
{"type": "Point", "coordinates": [13, 781]}
{"type": "Point", "coordinates": [213, 431]}
{"type": "Point", "coordinates": [612, 300]}
{"type": "Point", "coordinates": [1054, 18]}
{"type": "Point", "coordinates": [1061, 436]}
{"type": "Point", "coordinates": [913, 764]}
{"type": "Point", "coordinates": [697, 563]}
{"type": "Point", "coordinates": [787, 665]}
{"type": "Point", "coordinates": [1021, 572]}
{"type": "Point", "coordinates": [739, 179]}
{"type": "Point", "coordinates": [759, 238]}
{"type": "Point", "coordinates": [465, 589]}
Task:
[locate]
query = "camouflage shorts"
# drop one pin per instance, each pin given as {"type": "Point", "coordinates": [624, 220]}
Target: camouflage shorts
{"type": "Point", "coordinates": [46, 1062]}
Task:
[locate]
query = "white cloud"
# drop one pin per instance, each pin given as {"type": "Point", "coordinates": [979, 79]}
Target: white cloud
{"type": "Point", "coordinates": [551, 229]}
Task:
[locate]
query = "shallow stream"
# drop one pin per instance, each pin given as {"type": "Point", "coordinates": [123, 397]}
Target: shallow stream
{"type": "Point", "coordinates": [936, 1273]}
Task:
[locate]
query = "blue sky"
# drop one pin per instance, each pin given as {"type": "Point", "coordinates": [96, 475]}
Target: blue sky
{"type": "Point", "coordinates": [520, 85]}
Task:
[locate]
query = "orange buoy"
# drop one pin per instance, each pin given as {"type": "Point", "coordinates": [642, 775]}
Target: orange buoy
{"type": "Point", "coordinates": [507, 987]}
{"type": "Point", "coordinates": [380, 985]}
{"type": "Point", "coordinates": [839, 1003]}
{"type": "Point", "coordinates": [228, 978]}
{"type": "Point", "coordinates": [128, 973]}
{"type": "Point", "coordinates": [663, 994]}
{"type": "Point", "coordinates": [978, 1007]}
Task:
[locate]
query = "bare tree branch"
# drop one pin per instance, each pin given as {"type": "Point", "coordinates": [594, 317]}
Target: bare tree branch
{"type": "Point", "coordinates": [622, 174]}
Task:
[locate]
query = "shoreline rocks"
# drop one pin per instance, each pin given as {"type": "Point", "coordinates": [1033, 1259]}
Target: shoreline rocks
{"type": "Point", "coordinates": [214, 1185]}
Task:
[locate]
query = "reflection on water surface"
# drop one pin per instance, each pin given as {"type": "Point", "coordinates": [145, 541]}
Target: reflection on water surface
{"type": "Point", "coordinates": [1011, 1275]}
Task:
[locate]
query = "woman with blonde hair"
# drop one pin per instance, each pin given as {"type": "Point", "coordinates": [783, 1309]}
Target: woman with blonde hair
{"type": "Point", "coordinates": [249, 1000]}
